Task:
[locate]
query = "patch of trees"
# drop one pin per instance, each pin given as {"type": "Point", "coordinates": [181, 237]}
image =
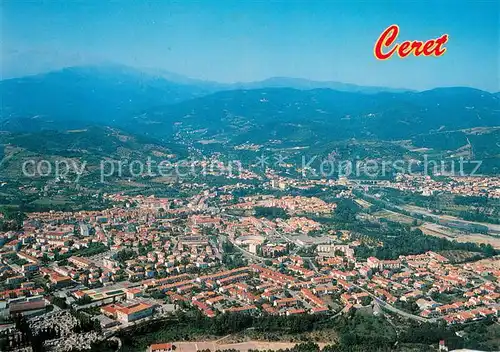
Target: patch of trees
{"type": "Point", "coordinates": [83, 300]}
{"type": "Point", "coordinates": [470, 200]}
{"type": "Point", "coordinates": [93, 249]}
{"type": "Point", "coordinates": [233, 261]}
{"type": "Point", "coordinates": [403, 241]}
{"type": "Point", "coordinates": [270, 213]}
{"type": "Point", "coordinates": [479, 216]}
{"type": "Point", "coordinates": [59, 301]}
{"type": "Point", "coordinates": [483, 336]}
{"type": "Point", "coordinates": [188, 325]}
{"type": "Point", "coordinates": [124, 255]}
{"type": "Point", "coordinates": [12, 219]}
{"type": "Point", "coordinates": [346, 210]}
{"type": "Point", "coordinates": [427, 334]}
{"type": "Point", "coordinates": [228, 247]}
{"type": "Point", "coordinates": [144, 250]}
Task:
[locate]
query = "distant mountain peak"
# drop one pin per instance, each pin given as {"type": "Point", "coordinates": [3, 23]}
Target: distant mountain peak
{"type": "Point", "coordinates": [307, 84]}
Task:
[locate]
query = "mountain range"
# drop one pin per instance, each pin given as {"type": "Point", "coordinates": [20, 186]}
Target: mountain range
{"type": "Point", "coordinates": [274, 113]}
{"type": "Point", "coordinates": [108, 93]}
{"type": "Point", "coordinates": [279, 111]}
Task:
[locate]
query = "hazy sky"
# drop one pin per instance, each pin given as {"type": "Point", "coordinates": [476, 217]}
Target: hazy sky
{"type": "Point", "coordinates": [249, 40]}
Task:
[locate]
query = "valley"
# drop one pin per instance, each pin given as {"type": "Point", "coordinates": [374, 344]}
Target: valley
{"type": "Point", "coordinates": [266, 217]}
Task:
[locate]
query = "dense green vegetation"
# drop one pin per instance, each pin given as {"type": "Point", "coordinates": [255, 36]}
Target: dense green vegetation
{"type": "Point", "coordinates": [471, 200]}
{"type": "Point", "coordinates": [93, 249]}
{"type": "Point", "coordinates": [125, 254]}
{"type": "Point", "coordinates": [480, 209]}
{"type": "Point", "coordinates": [64, 200]}
{"type": "Point", "coordinates": [232, 258]}
{"type": "Point", "coordinates": [355, 332]}
{"type": "Point", "coordinates": [478, 215]}
{"type": "Point", "coordinates": [320, 112]}
{"type": "Point", "coordinates": [401, 240]}
{"type": "Point", "coordinates": [270, 213]}
{"type": "Point", "coordinates": [441, 141]}
{"type": "Point", "coordinates": [12, 219]}
{"type": "Point", "coordinates": [346, 210]}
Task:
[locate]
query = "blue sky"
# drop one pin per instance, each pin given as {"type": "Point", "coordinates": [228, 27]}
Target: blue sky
{"type": "Point", "coordinates": [230, 41]}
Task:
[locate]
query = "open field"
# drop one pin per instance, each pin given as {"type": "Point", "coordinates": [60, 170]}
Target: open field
{"type": "Point", "coordinates": [493, 228]}
{"type": "Point", "coordinates": [444, 232]}
{"type": "Point", "coordinates": [363, 203]}
{"type": "Point", "coordinates": [458, 256]}
{"type": "Point", "coordinates": [242, 346]}
{"type": "Point", "coordinates": [393, 216]}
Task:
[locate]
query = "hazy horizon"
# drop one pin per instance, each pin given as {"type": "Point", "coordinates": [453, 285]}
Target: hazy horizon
{"type": "Point", "coordinates": [248, 42]}
{"type": "Point", "coordinates": [147, 70]}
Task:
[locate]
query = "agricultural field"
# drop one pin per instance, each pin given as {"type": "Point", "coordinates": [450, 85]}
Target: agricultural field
{"type": "Point", "coordinates": [393, 216]}
{"type": "Point", "coordinates": [241, 346]}
{"type": "Point", "coordinates": [445, 232]}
